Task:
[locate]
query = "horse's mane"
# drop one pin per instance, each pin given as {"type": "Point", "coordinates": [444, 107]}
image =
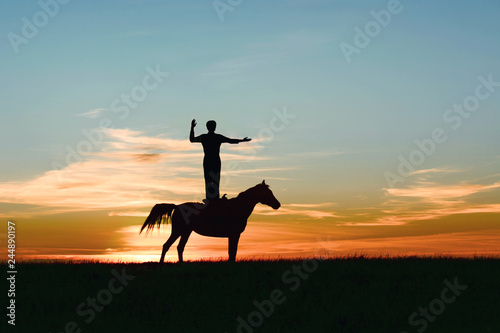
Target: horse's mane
{"type": "Point", "coordinates": [251, 189]}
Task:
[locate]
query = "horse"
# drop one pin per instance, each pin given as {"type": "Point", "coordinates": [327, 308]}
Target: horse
{"type": "Point", "coordinates": [225, 218]}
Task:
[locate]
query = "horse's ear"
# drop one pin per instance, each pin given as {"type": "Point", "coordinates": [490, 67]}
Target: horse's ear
{"type": "Point", "coordinates": [263, 182]}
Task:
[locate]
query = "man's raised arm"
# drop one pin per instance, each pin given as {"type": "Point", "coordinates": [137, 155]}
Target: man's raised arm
{"type": "Point", "coordinates": [192, 138]}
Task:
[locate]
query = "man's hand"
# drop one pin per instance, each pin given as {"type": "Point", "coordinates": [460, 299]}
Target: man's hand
{"type": "Point", "coordinates": [193, 123]}
{"type": "Point", "coordinates": [246, 139]}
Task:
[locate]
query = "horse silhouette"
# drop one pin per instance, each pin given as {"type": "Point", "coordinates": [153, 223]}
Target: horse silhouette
{"type": "Point", "coordinates": [219, 218]}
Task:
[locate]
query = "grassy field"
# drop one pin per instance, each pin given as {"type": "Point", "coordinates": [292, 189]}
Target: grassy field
{"type": "Point", "coordinates": [338, 295]}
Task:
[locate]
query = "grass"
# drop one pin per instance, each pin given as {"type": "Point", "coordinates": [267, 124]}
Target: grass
{"type": "Point", "coordinates": [352, 294]}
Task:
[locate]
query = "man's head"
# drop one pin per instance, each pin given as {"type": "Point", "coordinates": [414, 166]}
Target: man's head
{"type": "Point", "coordinates": [211, 125]}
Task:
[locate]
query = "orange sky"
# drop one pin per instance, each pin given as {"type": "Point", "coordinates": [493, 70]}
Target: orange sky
{"type": "Point", "coordinates": [389, 147]}
{"type": "Point", "coordinates": [97, 236]}
{"type": "Point", "coordinates": [94, 208]}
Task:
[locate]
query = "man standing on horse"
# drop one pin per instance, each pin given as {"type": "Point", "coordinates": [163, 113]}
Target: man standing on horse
{"type": "Point", "coordinates": [211, 142]}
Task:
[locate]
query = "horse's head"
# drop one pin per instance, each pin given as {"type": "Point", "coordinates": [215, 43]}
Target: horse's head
{"type": "Point", "coordinates": [266, 196]}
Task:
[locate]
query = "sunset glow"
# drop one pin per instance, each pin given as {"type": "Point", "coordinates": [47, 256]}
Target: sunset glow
{"type": "Point", "coordinates": [390, 150]}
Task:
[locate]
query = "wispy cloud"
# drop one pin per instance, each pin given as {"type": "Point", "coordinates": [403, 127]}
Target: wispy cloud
{"type": "Point", "coordinates": [435, 193]}
{"type": "Point", "coordinates": [129, 213]}
{"type": "Point", "coordinates": [127, 136]}
{"type": "Point", "coordinates": [316, 154]}
{"type": "Point", "coordinates": [425, 200]}
{"type": "Point", "coordinates": [435, 170]}
{"type": "Point", "coordinates": [92, 113]}
{"type": "Point", "coordinates": [379, 222]}
{"type": "Point", "coordinates": [131, 170]}
{"type": "Point", "coordinates": [299, 210]}
{"type": "Point", "coordinates": [315, 205]}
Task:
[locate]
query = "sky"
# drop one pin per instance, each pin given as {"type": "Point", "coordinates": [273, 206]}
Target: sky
{"type": "Point", "coordinates": [375, 123]}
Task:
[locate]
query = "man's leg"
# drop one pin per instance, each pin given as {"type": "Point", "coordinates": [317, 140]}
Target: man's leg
{"type": "Point", "coordinates": [216, 183]}
{"type": "Point", "coordinates": [211, 169]}
{"type": "Point", "coordinates": [212, 185]}
{"type": "Point", "coordinates": [212, 180]}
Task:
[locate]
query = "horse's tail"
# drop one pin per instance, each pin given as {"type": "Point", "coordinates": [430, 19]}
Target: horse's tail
{"type": "Point", "coordinates": [156, 216]}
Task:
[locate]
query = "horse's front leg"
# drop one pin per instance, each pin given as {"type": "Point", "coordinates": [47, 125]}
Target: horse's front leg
{"type": "Point", "coordinates": [233, 246]}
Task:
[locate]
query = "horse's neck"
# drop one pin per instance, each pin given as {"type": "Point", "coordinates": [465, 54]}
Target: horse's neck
{"type": "Point", "coordinates": [246, 202]}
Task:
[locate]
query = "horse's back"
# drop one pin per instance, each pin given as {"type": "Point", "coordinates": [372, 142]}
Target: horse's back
{"type": "Point", "coordinates": [216, 219]}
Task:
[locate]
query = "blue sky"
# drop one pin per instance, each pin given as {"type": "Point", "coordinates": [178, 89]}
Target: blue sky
{"type": "Point", "coordinates": [351, 121]}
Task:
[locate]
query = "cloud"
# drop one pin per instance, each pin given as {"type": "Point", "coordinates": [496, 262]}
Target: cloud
{"type": "Point", "coordinates": [129, 213]}
{"type": "Point", "coordinates": [426, 200]}
{"type": "Point", "coordinates": [385, 221]}
{"type": "Point", "coordinates": [270, 51]}
{"type": "Point", "coordinates": [129, 169]}
{"type": "Point", "coordinates": [435, 193]}
{"type": "Point", "coordinates": [149, 158]}
{"type": "Point", "coordinates": [324, 204]}
{"type": "Point", "coordinates": [435, 170]}
{"type": "Point", "coordinates": [469, 243]}
{"type": "Point", "coordinates": [316, 154]}
{"type": "Point", "coordinates": [127, 136]}
{"type": "Point", "coordinates": [92, 113]}
{"type": "Point", "coordinates": [298, 210]}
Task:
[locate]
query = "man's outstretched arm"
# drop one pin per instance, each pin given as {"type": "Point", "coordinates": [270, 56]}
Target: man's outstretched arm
{"type": "Point", "coordinates": [193, 138]}
{"type": "Point", "coordinates": [233, 141]}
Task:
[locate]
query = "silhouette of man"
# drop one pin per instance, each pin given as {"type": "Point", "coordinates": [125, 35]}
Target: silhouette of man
{"type": "Point", "coordinates": [211, 142]}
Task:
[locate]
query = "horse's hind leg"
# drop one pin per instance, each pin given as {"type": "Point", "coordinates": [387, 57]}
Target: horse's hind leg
{"type": "Point", "coordinates": [173, 237]}
{"type": "Point", "coordinates": [182, 244]}
{"type": "Point", "coordinates": [233, 246]}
